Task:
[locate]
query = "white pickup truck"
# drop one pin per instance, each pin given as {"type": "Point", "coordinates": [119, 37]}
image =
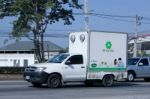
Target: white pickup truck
{"type": "Point", "coordinates": [93, 56]}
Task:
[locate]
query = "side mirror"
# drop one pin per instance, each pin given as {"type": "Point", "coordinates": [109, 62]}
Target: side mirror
{"type": "Point", "coordinates": [140, 64]}
{"type": "Point", "coordinates": [68, 62]}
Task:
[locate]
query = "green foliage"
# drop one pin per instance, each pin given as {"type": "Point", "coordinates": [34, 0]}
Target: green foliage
{"type": "Point", "coordinates": [5, 8]}
{"type": "Point", "coordinates": [11, 70]}
{"type": "Point", "coordinates": [31, 13]}
{"type": "Point", "coordinates": [33, 17]}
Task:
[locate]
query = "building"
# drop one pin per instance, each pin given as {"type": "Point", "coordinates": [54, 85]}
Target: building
{"type": "Point", "coordinates": [143, 46]}
{"type": "Point", "coordinates": [21, 53]}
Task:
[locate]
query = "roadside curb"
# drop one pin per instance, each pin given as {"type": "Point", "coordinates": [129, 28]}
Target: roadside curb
{"type": "Point", "coordinates": [5, 77]}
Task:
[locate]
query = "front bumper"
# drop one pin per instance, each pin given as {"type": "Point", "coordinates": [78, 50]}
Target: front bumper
{"type": "Point", "coordinates": [35, 77]}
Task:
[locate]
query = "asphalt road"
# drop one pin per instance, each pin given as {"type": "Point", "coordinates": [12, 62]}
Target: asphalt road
{"type": "Point", "coordinates": [121, 90]}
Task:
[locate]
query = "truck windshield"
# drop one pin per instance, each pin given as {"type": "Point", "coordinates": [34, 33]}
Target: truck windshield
{"type": "Point", "coordinates": [133, 61]}
{"type": "Point", "coordinates": [58, 58]}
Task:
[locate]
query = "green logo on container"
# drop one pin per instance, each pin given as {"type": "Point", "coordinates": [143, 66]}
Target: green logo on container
{"type": "Point", "coordinates": [93, 65]}
{"type": "Point", "coordinates": [108, 45]}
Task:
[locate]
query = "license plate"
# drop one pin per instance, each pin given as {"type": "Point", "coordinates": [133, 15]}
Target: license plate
{"type": "Point", "coordinates": [27, 77]}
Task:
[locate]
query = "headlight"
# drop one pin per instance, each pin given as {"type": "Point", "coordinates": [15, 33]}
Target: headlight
{"type": "Point", "coordinates": [39, 69]}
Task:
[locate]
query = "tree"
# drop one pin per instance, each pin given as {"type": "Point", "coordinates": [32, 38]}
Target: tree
{"type": "Point", "coordinates": [5, 8]}
{"type": "Point", "coordinates": [33, 17]}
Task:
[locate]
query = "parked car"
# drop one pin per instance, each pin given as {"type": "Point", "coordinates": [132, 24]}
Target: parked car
{"type": "Point", "coordinates": [138, 67]}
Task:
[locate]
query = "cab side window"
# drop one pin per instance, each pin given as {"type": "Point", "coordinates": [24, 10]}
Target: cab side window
{"type": "Point", "coordinates": [77, 59]}
{"type": "Point", "coordinates": [143, 62]}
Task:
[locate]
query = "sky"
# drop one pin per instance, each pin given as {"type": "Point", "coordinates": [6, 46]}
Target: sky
{"type": "Point", "coordinates": [104, 19]}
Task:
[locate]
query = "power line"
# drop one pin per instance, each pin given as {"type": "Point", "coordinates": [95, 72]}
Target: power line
{"type": "Point", "coordinates": [104, 16]}
{"type": "Point", "coordinates": [144, 31]}
{"type": "Point", "coordinates": [111, 15]}
{"type": "Point", "coordinates": [146, 18]}
{"type": "Point", "coordinates": [119, 16]}
{"type": "Point", "coordinates": [108, 15]}
{"type": "Point", "coordinates": [116, 17]}
{"type": "Point", "coordinates": [123, 20]}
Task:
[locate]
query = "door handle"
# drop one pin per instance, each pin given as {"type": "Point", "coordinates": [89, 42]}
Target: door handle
{"type": "Point", "coordinates": [66, 67]}
{"type": "Point", "coordinates": [82, 66]}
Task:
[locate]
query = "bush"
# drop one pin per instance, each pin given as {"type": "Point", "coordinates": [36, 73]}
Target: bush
{"type": "Point", "coordinates": [11, 70]}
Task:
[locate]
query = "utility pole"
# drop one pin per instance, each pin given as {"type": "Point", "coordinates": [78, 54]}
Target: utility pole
{"type": "Point", "coordinates": [138, 23]}
{"type": "Point", "coordinates": [86, 15]}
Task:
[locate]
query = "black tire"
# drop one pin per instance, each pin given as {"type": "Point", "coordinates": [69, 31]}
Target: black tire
{"type": "Point", "coordinates": [108, 81]}
{"type": "Point", "coordinates": [131, 76]}
{"type": "Point", "coordinates": [36, 84]}
{"type": "Point", "coordinates": [54, 81]}
{"type": "Point", "coordinates": [147, 79]}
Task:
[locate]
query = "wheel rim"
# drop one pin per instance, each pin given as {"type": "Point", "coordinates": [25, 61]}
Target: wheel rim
{"type": "Point", "coordinates": [108, 81]}
{"type": "Point", "coordinates": [54, 81]}
{"type": "Point", "coordinates": [130, 77]}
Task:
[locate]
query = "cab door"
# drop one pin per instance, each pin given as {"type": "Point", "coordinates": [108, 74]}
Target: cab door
{"type": "Point", "coordinates": [75, 69]}
{"type": "Point", "coordinates": [143, 67]}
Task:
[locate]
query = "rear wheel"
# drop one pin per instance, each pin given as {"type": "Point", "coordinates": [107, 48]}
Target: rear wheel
{"type": "Point", "coordinates": [108, 80]}
{"type": "Point", "coordinates": [131, 76]}
{"type": "Point", "coordinates": [54, 81]}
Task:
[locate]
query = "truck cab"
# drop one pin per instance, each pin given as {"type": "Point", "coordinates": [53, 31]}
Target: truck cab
{"type": "Point", "coordinates": [63, 67]}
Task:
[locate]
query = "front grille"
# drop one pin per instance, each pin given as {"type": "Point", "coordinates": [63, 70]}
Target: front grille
{"type": "Point", "coordinates": [31, 68]}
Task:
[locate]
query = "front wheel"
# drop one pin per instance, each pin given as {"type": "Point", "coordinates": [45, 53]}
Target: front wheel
{"type": "Point", "coordinates": [131, 76]}
{"type": "Point", "coordinates": [54, 81]}
{"type": "Point", "coordinates": [108, 80]}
